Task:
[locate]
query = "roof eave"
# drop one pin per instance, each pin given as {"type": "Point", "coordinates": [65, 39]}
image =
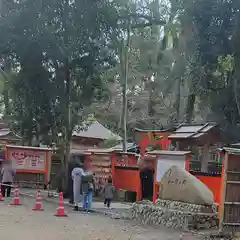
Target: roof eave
{"type": "Point", "coordinates": [179, 138]}
{"type": "Point", "coordinates": [152, 130]}
{"type": "Point", "coordinates": [97, 138]}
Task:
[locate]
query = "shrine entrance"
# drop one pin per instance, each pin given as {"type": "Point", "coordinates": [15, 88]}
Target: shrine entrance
{"type": "Point", "coordinates": [147, 181]}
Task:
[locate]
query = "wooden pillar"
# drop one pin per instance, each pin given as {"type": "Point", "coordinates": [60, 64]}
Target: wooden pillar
{"type": "Point", "coordinates": [155, 184]}
{"type": "Point", "coordinates": [187, 162]}
{"type": "Point", "coordinates": [139, 189]}
{"type": "Point", "coordinates": [178, 146]}
{"type": "Point", "coordinates": [47, 167]}
{"type": "Point", "coordinates": [205, 158]}
{"type": "Point", "coordinates": [113, 162]}
{"type": "Point", "coordinates": [223, 190]}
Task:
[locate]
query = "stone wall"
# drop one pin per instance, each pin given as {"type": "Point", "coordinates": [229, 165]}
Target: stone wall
{"type": "Point", "coordinates": [187, 207]}
{"type": "Point", "coordinates": [174, 214]}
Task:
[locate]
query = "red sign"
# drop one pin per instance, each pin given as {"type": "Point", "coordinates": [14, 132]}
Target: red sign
{"type": "Point", "coordinates": [24, 159]}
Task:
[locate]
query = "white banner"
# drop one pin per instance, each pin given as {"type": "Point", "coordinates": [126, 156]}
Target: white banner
{"type": "Point", "coordinates": [164, 164]}
{"type": "Point", "coordinates": [29, 160]}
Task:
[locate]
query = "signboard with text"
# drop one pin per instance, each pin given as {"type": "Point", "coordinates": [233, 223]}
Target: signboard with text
{"type": "Point", "coordinates": [24, 159]}
{"type": "Point", "coordinates": [29, 159]}
{"type": "Point", "coordinates": [163, 165]}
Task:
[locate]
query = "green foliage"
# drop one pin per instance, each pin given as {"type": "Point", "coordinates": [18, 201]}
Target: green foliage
{"type": "Point", "coordinates": [62, 60]}
{"type": "Point", "coordinates": [59, 57]}
{"type": "Point", "coordinates": [157, 147]}
{"type": "Point", "coordinates": [211, 30]}
{"type": "Point", "coordinates": [226, 63]}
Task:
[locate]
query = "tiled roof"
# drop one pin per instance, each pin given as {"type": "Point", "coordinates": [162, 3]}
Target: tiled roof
{"type": "Point", "coordinates": [3, 124]}
{"type": "Point", "coordinates": [152, 130]}
{"type": "Point", "coordinates": [119, 147]}
{"type": "Point", "coordinates": [192, 131]}
{"type": "Point", "coordinates": [7, 132]}
{"type": "Point", "coordinates": [96, 130]}
{"type": "Point", "coordinates": [163, 152]}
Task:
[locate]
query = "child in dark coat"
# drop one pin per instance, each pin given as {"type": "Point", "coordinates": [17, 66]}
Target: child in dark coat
{"type": "Point", "coordinates": [108, 193]}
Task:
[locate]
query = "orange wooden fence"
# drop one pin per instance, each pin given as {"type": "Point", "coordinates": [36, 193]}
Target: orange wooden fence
{"type": "Point", "coordinates": [126, 175]}
{"type": "Point", "coordinates": [213, 182]}
{"type": "Point", "coordinates": [128, 179]}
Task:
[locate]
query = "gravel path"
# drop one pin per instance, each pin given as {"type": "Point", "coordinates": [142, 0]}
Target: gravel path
{"type": "Point", "coordinates": [20, 223]}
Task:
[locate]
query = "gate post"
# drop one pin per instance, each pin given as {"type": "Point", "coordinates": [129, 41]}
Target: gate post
{"type": "Point", "coordinates": [113, 162]}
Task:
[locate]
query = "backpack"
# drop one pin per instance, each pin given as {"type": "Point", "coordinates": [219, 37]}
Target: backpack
{"type": "Point", "coordinates": [86, 181]}
{"type": "Point", "coordinates": [87, 178]}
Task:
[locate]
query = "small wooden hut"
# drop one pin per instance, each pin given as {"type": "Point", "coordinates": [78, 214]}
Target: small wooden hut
{"type": "Point", "coordinates": [202, 140]}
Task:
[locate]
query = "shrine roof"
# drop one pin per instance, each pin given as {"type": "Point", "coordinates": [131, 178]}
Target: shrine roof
{"type": "Point", "coordinates": [235, 145]}
{"type": "Point", "coordinates": [29, 148]}
{"type": "Point", "coordinates": [163, 152]}
{"type": "Point", "coordinates": [5, 132]}
{"type": "Point", "coordinates": [4, 124]}
{"type": "Point", "coordinates": [119, 147]}
{"type": "Point", "coordinates": [231, 150]}
{"type": "Point", "coordinates": [192, 131]}
{"type": "Point", "coordinates": [153, 130]}
{"type": "Point", "coordinates": [98, 150]}
{"type": "Point", "coordinates": [96, 130]}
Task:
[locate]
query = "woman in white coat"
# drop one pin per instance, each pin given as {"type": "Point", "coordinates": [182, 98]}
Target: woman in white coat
{"type": "Point", "coordinates": [77, 173]}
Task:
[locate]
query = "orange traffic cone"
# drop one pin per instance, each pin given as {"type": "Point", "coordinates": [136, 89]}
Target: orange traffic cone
{"type": "Point", "coordinates": [38, 205]}
{"type": "Point", "coordinates": [60, 212]}
{"type": "Point", "coordinates": [1, 197]}
{"type": "Point", "coordinates": [16, 198]}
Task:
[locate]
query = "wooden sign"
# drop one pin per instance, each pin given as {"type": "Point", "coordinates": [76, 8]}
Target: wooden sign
{"type": "Point", "coordinates": [30, 159]}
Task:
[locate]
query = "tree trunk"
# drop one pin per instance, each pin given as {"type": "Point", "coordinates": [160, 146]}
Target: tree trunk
{"type": "Point", "coordinates": [6, 74]}
{"type": "Point", "coordinates": [68, 114]}
{"type": "Point", "coordinates": [237, 62]}
{"type": "Point", "coordinates": [177, 101]}
{"type": "Point", "coordinates": [22, 134]}
{"type": "Point", "coordinates": [190, 104]}
{"type": "Point", "coordinates": [155, 33]}
{"type": "Point", "coordinates": [125, 86]}
{"type": "Point", "coordinates": [151, 101]}
{"type": "Point", "coordinates": [6, 101]}
{"type": "Point", "coordinates": [68, 127]}
{"type": "Point", "coordinates": [37, 135]}
{"type": "Point", "coordinates": [190, 108]}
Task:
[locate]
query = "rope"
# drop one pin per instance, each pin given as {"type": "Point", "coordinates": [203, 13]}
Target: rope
{"type": "Point", "coordinates": [8, 185]}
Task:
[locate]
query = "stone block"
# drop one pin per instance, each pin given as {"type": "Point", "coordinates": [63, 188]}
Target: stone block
{"type": "Point", "coordinates": [179, 185]}
{"type": "Point", "coordinates": [121, 194]}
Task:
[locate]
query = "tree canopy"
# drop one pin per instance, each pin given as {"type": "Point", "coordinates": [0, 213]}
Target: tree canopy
{"type": "Point", "coordinates": [61, 60]}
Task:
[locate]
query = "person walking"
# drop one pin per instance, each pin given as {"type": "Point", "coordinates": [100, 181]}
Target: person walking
{"type": "Point", "coordinates": [77, 174]}
{"type": "Point", "coordinates": [8, 174]}
{"type": "Point", "coordinates": [108, 192]}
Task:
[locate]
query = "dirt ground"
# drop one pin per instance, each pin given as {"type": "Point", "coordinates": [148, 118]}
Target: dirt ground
{"type": "Point", "coordinates": [20, 223]}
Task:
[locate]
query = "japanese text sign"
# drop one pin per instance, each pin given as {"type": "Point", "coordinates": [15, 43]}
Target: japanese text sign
{"type": "Point", "coordinates": [30, 160]}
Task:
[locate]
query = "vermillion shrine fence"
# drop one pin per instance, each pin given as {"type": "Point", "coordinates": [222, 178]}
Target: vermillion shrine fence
{"type": "Point", "coordinates": [212, 181]}
{"type": "Point", "coordinates": [125, 173]}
